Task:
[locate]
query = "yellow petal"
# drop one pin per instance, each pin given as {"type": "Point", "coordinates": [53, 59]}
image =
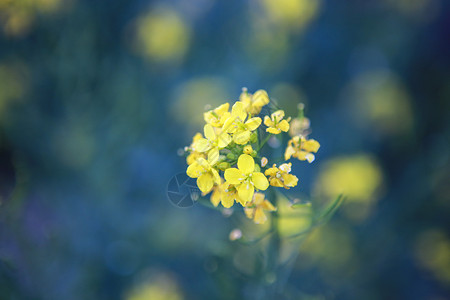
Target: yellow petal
{"type": "Point", "coordinates": [278, 115]}
{"type": "Point", "coordinates": [311, 146]}
{"type": "Point", "coordinates": [213, 156]}
{"type": "Point", "coordinates": [258, 198]}
{"type": "Point", "coordinates": [249, 212]}
{"type": "Point", "coordinates": [246, 164]}
{"type": "Point", "coordinates": [268, 121]}
{"type": "Point", "coordinates": [260, 217]}
{"type": "Point", "coordinates": [209, 132]}
{"type": "Point", "coordinates": [260, 181]}
{"type": "Point", "coordinates": [246, 191]}
{"type": "Point", "coordinates": [238, 199]}
{"type": "Point", "coordinates": [276, 182]}
{"type": "Point", "coordinates": [273, 130]}
{"type": "Point", "coordinates": [233, 176]}
{"type": "Point", "coordinates": [253, 123]}
{"type": "Point", "coordinates": [288, 153]}
{"type": "Point", "coordinates": [260, 98]}
{"type": "Point", "coordinates": [205, 182]}
{"type": "Point", "coordinates": [271, 171]}
{"type": "Point", "coordinates": [216, 176]}
{"type": "Point", "coordinates": [241, 137]}
{"type": "Point", "coordinates": [194, 170]}
{"type": "Point", "coordinates": [290, 180]}
{"type": "Point", "coordinates": [215, 197]}
{"type": "Point", "coordinates": [223, 140]}
{"type": "Point", "coordinates": [202, 145]}
{"type": "Point", "coordinates": [222, 109]}
{"type": "Point", "coordinates": [283, 126]}
{"type": "Point", "coordinates": [227, 200]}
{"type": "Point", "coordinates": [268, 206]}
{"type": "Point", "coordinates": [238, 112]}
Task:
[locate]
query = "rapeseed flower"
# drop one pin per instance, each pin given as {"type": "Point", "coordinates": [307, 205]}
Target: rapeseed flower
{"type": "Point", "coordinates": [216, 117]}
{"type": "Point", "coordinates": [245, 179]}
{"type": "Point", "coordinates": [254, 103]}
{"type": "Point", "coordinates": [215, 140]}
{"type": "Point", "coordinates": [301, 148]}
{"type": "Point", "coordinates": [280, 177]}
{"type": "Point", "coordinates": [275, 123]}
{"type": "Point", "coordinates": [205, 173]}
{"type": "Point", "coordinates": [238, 127]}
{"type": "Point", "coordinates": [226, 194]}
{"type": "Point", "coordinates": [255, 209]}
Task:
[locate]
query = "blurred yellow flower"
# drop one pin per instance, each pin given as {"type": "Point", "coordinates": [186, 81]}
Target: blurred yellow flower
{"type": "Point", "coordinates": [245, 179]}
{"type": "Point", "coordinates": [301, 148]}
{"type": "Point", "coordinates": [162, 35]}
{"type": "Point", "coordinates": [275, 122]}
{"type": "Point", "coordinates": [237, 125]}
{"type": "Point", "coordinates": [255, 209]}
{"type": "Point", "coordinates": [248, 149]}
{"type": "Point", "coordinates": [280, 176]}
{"type": "Point", "coordinates": [254, 103]}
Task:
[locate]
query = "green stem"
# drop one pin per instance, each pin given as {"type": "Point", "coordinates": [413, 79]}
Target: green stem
{"type": "Point", "coordinates": [264, 142]}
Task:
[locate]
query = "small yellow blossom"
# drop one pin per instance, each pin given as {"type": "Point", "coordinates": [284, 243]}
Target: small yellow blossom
{"type": "Point", "coordinates": [248, 149]}
{"type": "Point", "coordinates": [280, 176]}
{"type": "Point", "coordinates": [301, 148]}
{"type": "Point", "coordinates": [205, 173]}
{"type": "Point", "coordinates": [217, 116]}
{"type": "Point", "coordinates": [225, 193]}
{"type": "Point", "coordinates": [254, 103]}
{"type": "Point", "coordinates": [275, 123]}
{"type": "Point", "coordinates": [255, 209]}
{"type": "Point", "coordinates": [245, 179]}
{"type": "Point", "coordinates": [236, 124]}
{"type": "Point", "coordinates": [213, 141]}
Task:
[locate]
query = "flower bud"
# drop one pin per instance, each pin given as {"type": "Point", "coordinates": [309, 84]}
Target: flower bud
{"type": "Point", "coordinates": [254, 137]}
{"type": "Point", "coordinates": [231, 156]}
{"type": "Point", "coordinates": [223, 165]}
{"type": "Point", "coordinates": [257, 168]}
{"type": "Point", "coordinates": [248, 149]}
{"type": "Point", "coordinates": [254, 153]}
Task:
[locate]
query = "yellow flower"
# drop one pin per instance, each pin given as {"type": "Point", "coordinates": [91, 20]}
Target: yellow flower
{"type": "Point", "coordinates": [301, 148]}
{"type": "Point", "coordinates": [255, 209]}
{"type": "Point", "coordinates": [205, 173]}
{"type": "Point", "coordinates": [254, 103]}
{"type": "Point", "coordinates": [217, 116]}
{"type": "Point", "coordinates": [245, 179]}
{"type": "Point", "coordinates": [280, 176]}
{"type": "Point", "coordinates": [194, 155]}
{"type": "Point", "coordinates": [275, 122]}
{"type": "Point", "coordinates": [225, 193]}
{"type": "Point", "coordinates": [237, 125]}
{"type": "Point", "coordinates": [213, 142]}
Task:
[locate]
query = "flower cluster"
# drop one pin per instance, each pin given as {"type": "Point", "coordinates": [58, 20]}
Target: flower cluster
{"type": "Point", "coordinates": [222, 159]}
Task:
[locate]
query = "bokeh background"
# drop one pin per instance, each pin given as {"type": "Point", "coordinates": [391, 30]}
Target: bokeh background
{"type": "Point", "coordinates": [97, 97]}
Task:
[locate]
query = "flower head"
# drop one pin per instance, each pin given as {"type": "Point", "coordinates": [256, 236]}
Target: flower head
{"type": "Point", "coordinates": [255, 209]}
{"type": "Point", "coordinates": [225, 193]}
{"type": "Point", "coordinates": [216, 117]}
{"type": "Point", "coordinates": [275, 123]}
{"type": "Point", "coordinates": [193, 155]}
{"type": "Point", "coordinates": [205, 173]}
{"type": "Point", "coordinates": [215, 140]}
{"type": "Point", "coordinates": [301, 148]}
{"type": "Point", "coordinates": [254, 103]}
{"type": "Point", "coordinates": [245, 179]}
{"type": "Point", "coordinates": [280, 176]}
{"type": "Point", "coordinates": [237, 125]}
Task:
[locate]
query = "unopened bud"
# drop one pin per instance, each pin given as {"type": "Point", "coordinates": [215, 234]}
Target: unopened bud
{"type": "Point", "coordinates": [257, 168]}
{"type": "Point", "coordinates": [223, 166]}
{"type": "Point", "coordinates": [231, 156]}
{"type": "Point", "coordinates": [254, 153]}
{"type": "Point", "coordinates": [254, 137]}
{"type": "Point", "coordinates": [248, 149]}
